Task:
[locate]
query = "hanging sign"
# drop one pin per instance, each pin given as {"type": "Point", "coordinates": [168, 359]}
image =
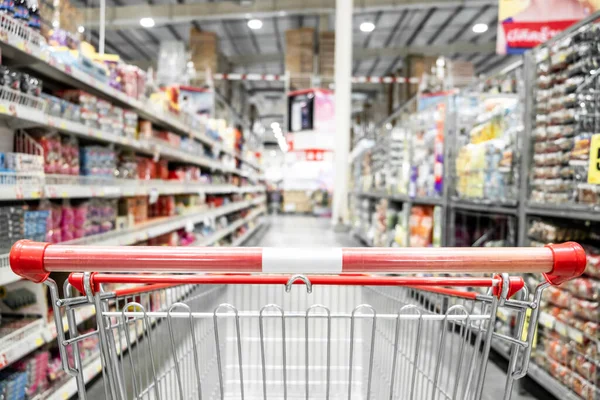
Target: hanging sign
{"type": "Point", "coordinates": [594, 163]}
{"type": "Point", "coordinates": [523, 24]}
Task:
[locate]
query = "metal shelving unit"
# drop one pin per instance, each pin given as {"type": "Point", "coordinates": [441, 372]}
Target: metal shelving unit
{"type": "Point", "coordinates": [22, 51]}
{"type": "Point", "coordinates": [26, 53]}
{"type": "Point", "coordinates": [521, 209]}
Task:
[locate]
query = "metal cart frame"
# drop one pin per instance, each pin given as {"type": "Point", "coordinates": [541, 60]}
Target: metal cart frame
{"type": "Point", "coordinates": [216, 326]}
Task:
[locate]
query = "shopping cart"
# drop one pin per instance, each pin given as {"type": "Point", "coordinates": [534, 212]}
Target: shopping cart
{"type": "Point", "coordinates": [247, 323]}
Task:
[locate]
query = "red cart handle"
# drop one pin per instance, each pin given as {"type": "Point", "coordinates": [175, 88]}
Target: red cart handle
{"type": "Point", "coordinates": [35, 261]}
{"type": "Point", "coordinates": [161, 281]}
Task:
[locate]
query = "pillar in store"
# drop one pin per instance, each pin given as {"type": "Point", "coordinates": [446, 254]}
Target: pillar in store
{"type": "Point", "coordinates": [343, 107]}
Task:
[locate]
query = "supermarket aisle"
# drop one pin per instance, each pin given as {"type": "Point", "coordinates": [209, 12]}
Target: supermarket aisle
{"type": "Point", "coordinates": [301, 231]}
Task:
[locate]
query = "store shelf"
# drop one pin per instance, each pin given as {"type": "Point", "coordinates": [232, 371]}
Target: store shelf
{"type": "Point", "coordinates": [141, 232]}
{"type": "Point", "coordinates": [164, 225]}
{"type": "Point", "coordinates": [373, 194]}
{"type": "Point", "coordinates": [484, 206]}
{"type": "Point", "coordinates": [550, 322]}
{"type": "Point", "coordinates": [69, 387]}
{"type": "Point", "coordinates": [434, 201]}
{"type": "Point", "coordinates": [568, 211]}
{"type": "Point", "coordinates": [239, 241]}
{"type": "Point", "coordinates": [15, 186]}
{"type": "Point", "coordinates": [32, 336]}
{"type": "Point", "coordinates": [230, 229]}
{"type": "Point", "coordinates": [28, 116]}
{"type": "Point", "coordinates": [427, 201]}
{"type": "Point", "coordinates": [21, 52]}
{"type": "Point", "coordinates": [537, 373]}
{"type": "Point", "coordinates": [548, 382]}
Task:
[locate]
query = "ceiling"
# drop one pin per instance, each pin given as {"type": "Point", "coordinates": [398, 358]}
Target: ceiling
{"type": "Point", "coordinates": [401, 25]}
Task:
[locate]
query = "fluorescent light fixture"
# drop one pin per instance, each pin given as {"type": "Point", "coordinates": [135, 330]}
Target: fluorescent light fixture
{"type": "Point", "coordinates": [440, 62]}
{"type": "Point", "coordinates": [274, 125]}
{"type": "Point", "coordinates": [147, 22]}
{"type": "Point", "coordinates": [480, 28]}
{"type": "Point", "coordinates": [367, 27]}
{"type": "Point", "coordinates": [80, 29]}
{"type": "Point", "coordinates": [255, 24]}
{"type": "Point", "coordinates": [278, 134]}
{"type": "Point", "coordinates": [388, 126]}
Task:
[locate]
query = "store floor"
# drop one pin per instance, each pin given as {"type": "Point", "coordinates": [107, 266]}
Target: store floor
{"type": "Point", "coordinates": [302, 231]}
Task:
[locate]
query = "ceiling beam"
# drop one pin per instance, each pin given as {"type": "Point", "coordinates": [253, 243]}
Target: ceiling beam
{"type": "Point", "coordinates": [420, 26]}
{"type": "Point", "coordinates": [444, 25]}
{"type": "Point", "coordinates": [120, 17]}
{"type": "Point", "coordinates": [361, 53]}
{"type": "Point", "coordinates": [467, 27]}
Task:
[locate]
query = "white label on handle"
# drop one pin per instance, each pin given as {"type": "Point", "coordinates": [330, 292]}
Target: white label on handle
{"type": "Point", "coordinates": [297, 260]}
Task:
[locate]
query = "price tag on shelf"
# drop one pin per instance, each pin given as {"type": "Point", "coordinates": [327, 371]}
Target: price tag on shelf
{"type": "Point", "coordinates": [19, 192]}
{"type": "Point", "coordinates": [189, 226]}
{"type": "Point", "coordinates": [546, 320]}
{"type": "Point", "coordinates": [3, 109]}
{"type": "Point", "coordinates": [50, 191]}
{"type": "Point", "coordinates": [576, 335]}
{"type": "Point", "coordinates": [594, 163]}
{"type": "Point", "coordinates": [68, 69]}
{"type": "Point", "coordinates": [561, 328]}
{"type": "Point", "coordinates": [153, 196]}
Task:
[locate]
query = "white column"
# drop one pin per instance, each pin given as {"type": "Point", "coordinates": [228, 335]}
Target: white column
{"type": "Point", "coordinates": [343, 106]}
{"type": "Point", "coordinates": [102, 26]}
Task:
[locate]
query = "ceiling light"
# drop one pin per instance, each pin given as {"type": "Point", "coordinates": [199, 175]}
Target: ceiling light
{"type": "Point", "coordinates": [190, 64]}
{"type": "Point", "coordinates": [274, 125]}
{"type": "Point", "coordinates": [480, 28]}
{"type": "Point", "coordinates": [80, 29]}
{"type": "Point", "coordinates": [255, 24]}
{"type": "Point", "coordinates": [55, 24]}
{"type": "Point", "coordinates": [440, 62]}
{"type": "Point", "coordinates": [147, 22]}
{"type": "Point", "coordinates": [367, 27]}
